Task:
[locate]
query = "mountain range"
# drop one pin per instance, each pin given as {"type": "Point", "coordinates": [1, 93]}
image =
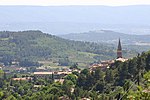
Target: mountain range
{"type": "Point", "coordinates": [108, 36]}
{"type": "Point", "coordinates": [138, 43]}
{"type": "Point", "coordinates": [70, 19]}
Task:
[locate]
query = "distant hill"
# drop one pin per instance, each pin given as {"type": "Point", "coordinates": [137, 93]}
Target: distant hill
{"type": "Point", "coordinates": [69, 19]}
{"type": "Point", "coordinates": [37, 46]}
{"type": "Point", "coordinates": [107, 36]}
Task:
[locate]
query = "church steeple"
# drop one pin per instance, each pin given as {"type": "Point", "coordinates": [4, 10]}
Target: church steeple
{"type": "Point", "coordinates": [119, 50]}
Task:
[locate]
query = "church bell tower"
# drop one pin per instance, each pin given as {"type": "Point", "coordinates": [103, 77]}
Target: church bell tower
{"type": "Point", "coordinates": [119, 50]}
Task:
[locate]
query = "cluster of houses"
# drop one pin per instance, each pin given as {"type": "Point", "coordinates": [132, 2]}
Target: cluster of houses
{"type": "Point", "coordinates": [54, 75]}
{"type": "Point", "coordinates": [108, 63]}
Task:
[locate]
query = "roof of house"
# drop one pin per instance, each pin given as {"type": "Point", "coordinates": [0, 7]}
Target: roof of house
{"type": "Point", "coordinates": [63, 72]}
{"type": "Point", "coordinates": [121, 59]}
{"type": "Point", "coordinates": [23, 79]}
{"type": "Point", "coordinates": [48, 73]}
{"type": "Point", "coordinates": [42, 73]}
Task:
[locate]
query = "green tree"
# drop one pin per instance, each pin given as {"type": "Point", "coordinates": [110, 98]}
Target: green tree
{"type": "Point", "coordinates": [109, 76]}
{"type": "Point", "coordinates": [122, 74]}
{"type": "Point", "coordinates": [1, 95]}
{"type": "Point", "coordinates": [67, 86]}
{"type": "Point", "coordinates": [147, 62]}
{"type": "Point", "coordinates": [11, 97]}
{"type": "Point", "coordinates": [99, 87]}
{"type": "Point", "coordinates": [72, 78]}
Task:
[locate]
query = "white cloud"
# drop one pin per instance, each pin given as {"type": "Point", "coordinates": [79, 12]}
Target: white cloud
{"type": "Point", "coordinates": [74, 2]}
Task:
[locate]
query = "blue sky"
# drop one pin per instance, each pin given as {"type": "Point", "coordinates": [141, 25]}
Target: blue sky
{"type": "Point", "coordinates": [75, 2]}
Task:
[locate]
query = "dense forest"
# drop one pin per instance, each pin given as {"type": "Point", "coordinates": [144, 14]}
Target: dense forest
{"type": "Point", "coordinates": [33, 46]}
{"type": "Point", "coordinates": [122, 81]}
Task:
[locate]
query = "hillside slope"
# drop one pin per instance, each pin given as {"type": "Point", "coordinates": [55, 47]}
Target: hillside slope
{"type": "Point", "coordinates": [35, 46]}
{"type": "Point", "coordinates": [107, 36]}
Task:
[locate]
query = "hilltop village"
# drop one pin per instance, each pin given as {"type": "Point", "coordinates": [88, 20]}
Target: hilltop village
{"type": "Point", "coordinates": [87, 51]}
{"type": "Point", "coordinates": [57, 75]}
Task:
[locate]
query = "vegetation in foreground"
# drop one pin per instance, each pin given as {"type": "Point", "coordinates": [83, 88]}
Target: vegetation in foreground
{"type": "Point", "coordinates": [123, 81]}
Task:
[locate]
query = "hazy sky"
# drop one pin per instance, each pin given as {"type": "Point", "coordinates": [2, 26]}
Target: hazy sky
{"type": "Point", "coordinates": [75, 2]}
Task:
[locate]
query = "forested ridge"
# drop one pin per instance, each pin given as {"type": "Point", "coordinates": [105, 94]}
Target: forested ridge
{"type": "Point", "coordinates": [35, 46]}
{"type": "Point", "coordinates": [107, 36]}
{"type": "Point", "coordinates": [122, 81]}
